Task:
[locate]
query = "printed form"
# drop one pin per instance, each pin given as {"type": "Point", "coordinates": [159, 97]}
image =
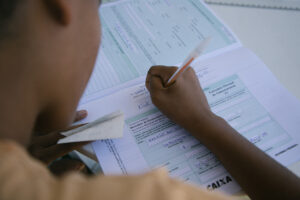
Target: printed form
{"type": "Point", "coordinates": [238, 86]}
{"type": "Point", "coordinates": [137, 34]}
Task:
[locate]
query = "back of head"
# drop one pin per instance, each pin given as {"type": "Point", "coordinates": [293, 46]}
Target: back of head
{"type": "Point", "coordinates": [47, 52]}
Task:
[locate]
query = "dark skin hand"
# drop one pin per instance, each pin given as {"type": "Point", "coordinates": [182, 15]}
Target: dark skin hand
{"type": "Point", "coordinates": [260, 176]}
{"type": "Point", "coordinates": [44, 147]}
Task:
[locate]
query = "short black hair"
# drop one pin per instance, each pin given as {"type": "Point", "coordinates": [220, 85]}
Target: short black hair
{"type": "Point", "coordinates": [7, 8]}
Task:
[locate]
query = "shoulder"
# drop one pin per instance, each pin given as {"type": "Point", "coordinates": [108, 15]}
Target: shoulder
{"type": "Point", "coordinates": [9, 147]}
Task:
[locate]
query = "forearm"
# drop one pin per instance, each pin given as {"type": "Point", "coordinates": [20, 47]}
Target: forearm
{"type": "Point", "coordinates": [260, 176]}
{"type": "Point", "coordinates": [185, 103]}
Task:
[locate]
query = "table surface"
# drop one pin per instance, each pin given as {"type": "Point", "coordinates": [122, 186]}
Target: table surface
{"type": "Point", "coordinates": [274, 36]}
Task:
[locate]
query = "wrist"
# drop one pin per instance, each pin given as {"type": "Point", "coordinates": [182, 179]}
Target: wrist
{"type": "Point", "coordinates": [208, 126]}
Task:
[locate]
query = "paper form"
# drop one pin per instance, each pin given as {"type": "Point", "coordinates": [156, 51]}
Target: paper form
{"type": "Point", "coordinates": [239, 88]}
{"type": "Point", "coordinates": [137, 34]}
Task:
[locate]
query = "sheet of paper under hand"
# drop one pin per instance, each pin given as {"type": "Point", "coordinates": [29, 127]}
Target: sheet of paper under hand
{"type": "Point", "coordinates": [106, 127]}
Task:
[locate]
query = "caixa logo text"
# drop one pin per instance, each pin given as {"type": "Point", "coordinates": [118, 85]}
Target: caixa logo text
{"type": "Point", "coordinates": [219, 182]}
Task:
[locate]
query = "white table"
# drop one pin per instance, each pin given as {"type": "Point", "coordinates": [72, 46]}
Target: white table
{"type": "Point", "coordinates": [274, 36]}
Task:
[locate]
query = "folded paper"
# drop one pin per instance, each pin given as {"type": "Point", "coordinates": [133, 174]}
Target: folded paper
{"type": "Point", "coordinates": [107, 127]}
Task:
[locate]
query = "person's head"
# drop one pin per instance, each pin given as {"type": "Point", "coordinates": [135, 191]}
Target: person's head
{"type": "Point", "coordinates": [53, 45]}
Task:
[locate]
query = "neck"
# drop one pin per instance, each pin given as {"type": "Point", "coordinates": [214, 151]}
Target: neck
{"type": "Point", "coordinates": [18, 97]}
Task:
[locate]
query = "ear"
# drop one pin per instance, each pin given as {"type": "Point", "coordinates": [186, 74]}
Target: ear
{"type": "Point", "coordinates": [60, 10]}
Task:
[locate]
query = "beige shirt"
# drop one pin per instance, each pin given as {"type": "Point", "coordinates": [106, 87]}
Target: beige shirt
{"type": "Point", "coordinates": [24, 178]}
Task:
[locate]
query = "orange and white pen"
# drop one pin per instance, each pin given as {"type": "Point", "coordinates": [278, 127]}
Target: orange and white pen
{"type": "Point", "coordinates": [195, 54]}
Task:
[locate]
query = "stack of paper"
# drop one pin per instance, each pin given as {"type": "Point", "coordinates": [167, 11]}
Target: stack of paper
{"type": "Point", "coordinates": [239, 87]}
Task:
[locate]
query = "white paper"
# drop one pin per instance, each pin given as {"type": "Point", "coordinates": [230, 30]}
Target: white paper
{"type": "Point", "coordinates": [106, 127]}
{"type": "Point", "coordinates": [139, 34]}
{"type": "Point", "coordinates": [278, 4]}
{"type": "Point", "coordinates": [239, 87]}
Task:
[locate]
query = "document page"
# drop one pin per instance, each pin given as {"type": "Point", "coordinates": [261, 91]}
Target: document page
{"type": "Point", "coordinates": [137, 34]}
{"type": "Point", "coordinates": [239, 88]}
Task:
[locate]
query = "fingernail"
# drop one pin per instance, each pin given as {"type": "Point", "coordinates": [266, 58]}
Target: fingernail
{"type": "Point", "coordinates": [80, 167]}
{"type": "Point", "coordinates": [82, 113]}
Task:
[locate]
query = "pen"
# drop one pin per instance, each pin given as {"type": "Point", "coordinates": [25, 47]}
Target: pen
{"type": "Point", "coordinates": [196, 53]}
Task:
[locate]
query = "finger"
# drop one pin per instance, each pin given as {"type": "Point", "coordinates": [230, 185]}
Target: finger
{"type": "Point", "coordinates": [74, 127]}
{"type": "Point", "coordinates": [155, 84]}
{"type": "Point", "coordinates": [47, 140]}
{"type": "Point", "coordinates": [52, 138]}
{"type": "Point", "coordinates": [164, 72]}
{"type": "Point", "coordinates": [66, 165]}
{"type": "Point", "coordinates": [190, 72]}
{"type": "Point", "coordinates": [80, 115]}
{"type": "Point", "coordinates": [56, 151]}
